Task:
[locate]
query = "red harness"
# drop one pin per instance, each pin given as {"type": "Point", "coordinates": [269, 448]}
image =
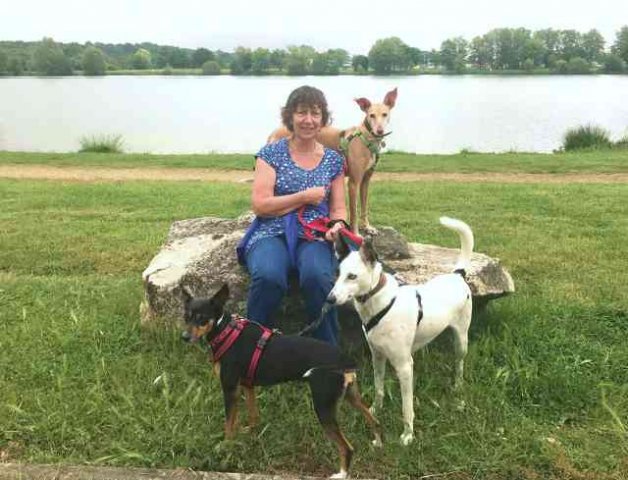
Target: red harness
{"type": "Point", "coordinates": [230, 334]}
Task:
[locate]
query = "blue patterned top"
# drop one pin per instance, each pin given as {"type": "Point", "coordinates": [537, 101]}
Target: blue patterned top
{"type": "Point", "coordinates": [291, 178]}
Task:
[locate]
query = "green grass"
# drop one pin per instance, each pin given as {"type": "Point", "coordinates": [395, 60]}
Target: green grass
{"type": "Point", "coordinates": [610, 161]}
{"type": "Point", "coordinates": [546, 393]}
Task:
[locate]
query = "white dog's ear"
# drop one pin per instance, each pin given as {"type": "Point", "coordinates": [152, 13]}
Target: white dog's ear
{"type": "Point", "coordinates": [367, 251]}
{"type": "Point", "coordinates": [391, 98]}
{"type": "Point", "coordinates": [341, 248]}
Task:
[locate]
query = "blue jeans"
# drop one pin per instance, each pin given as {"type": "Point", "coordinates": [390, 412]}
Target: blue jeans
{"type": "Point", "coordinates": [268, 262]}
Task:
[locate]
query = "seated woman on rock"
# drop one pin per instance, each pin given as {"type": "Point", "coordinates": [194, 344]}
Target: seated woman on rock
{"type": "Point", "coordinates": [297, 181]}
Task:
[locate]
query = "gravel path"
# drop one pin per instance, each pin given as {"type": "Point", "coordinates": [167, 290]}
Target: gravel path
{"type": "Point", "coordinates": [101, 174]}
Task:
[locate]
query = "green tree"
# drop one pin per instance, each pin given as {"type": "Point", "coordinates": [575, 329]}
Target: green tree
{"type": "Point", "coordinates": [550, 39]}
{"type": "Point", "coordinates": [593, 46]}
{"type": "Point", "coordinates": [93, 61]}
{"type": "Point", "coordinates": [4, 62]}
{"type": "Point", "coordinates": [480, 52]}
{"type": "Point", "coordinates": [299, 59]}
{"type": "Point", "coordinates": [360, 63]}
{"type": "Point", "coordinates": [211, 67]}
{"type": "Point", "coordinates": [389, 55]}
{"type": "Point", "coordinates": [200, 56]}
{"type": "Point", "coordinates": [613, 63]}
{"type": "Point", "coordinates": [16, 66]}
{"type": "Point", "coordinates": [453, 52]}
{"type": "Point", "coordinates": [242, 61]}
{"type": "Point", "coordinates": [49, 59]}
{"type": "Point", "coordinates": [277, 58]}
{"type": "Point", "coordinates": [570, 44]}
{"type": "Point", "coordinates": [337, 58]}
{"type": "Point", "coordinates": [141, 59]}
{"type": "Point", "coordinates": [260, 61]}
{"type": "Point", "coordinates": [620, 47]}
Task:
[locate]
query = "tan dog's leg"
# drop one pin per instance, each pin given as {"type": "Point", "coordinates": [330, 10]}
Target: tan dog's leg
{"type": "Point", "coordinates": [364, 203]}
{"type": "Point", "coordinates": [231, 412]}
{"type": "Point", "coordinates": [354, 185]}
{"type": "Point", "coordinates": [251, 406]}
{"type": "Point", "coordinates": [355, 400]}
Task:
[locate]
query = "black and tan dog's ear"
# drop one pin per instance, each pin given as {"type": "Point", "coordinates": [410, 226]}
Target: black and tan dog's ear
{"type": "Point", "coordinates": [341, 248]}
{"type": "Point", "coordinates": [364, 104]}
{"type": "Point", "coordinates": [222, 295]}
{"type": "Point", "coordinates": [367, 250]}
{"type": "Point", "coordinates": [391, 98]}
{"type": "Point", "coordinates": [187, 294]}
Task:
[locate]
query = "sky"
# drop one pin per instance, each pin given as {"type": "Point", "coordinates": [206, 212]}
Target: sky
{"type": "Point", "coordinates": [353, 25]}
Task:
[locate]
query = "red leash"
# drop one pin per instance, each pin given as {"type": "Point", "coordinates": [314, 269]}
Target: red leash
{"type": "Point", "coordinates": [320, 225]}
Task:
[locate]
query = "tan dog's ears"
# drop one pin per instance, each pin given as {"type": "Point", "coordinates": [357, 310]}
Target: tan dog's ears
{"type": "Point", "coordinates": [391, 98]}
{"type": "Point", "coordinates": [367, 250]}
{"type": "Point", "coordinates": [364, 103]}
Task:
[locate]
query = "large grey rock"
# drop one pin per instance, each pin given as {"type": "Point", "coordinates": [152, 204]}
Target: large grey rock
{"type": "Point", "coordinates": [200, 254]}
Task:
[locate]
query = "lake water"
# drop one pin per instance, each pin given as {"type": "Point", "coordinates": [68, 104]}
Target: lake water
{"type": "Point", "coordinates": [200, 114]}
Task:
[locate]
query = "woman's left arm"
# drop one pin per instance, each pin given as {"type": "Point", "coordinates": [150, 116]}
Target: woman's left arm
{"type": "Point", "coordinates": [337, 207]}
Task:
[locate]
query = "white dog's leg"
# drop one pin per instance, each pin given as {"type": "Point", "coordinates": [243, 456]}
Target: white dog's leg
{"type": "Point", "coordinates": [460, 344]}
{"type": "Point", "coordinates": [404, 369]}
{"type": "Point", "coordinates": [379, 371]}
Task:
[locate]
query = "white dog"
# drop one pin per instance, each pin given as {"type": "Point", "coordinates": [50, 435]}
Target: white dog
{"type": "Point", "coordinates": [398, 320]}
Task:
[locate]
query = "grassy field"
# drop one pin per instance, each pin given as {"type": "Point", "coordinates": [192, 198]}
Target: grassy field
{"type": "Point", "coordinates": [601, 161]}
{"type": "Point", "coordinates": [546, 393]}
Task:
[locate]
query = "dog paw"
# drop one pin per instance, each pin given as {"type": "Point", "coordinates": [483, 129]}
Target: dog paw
{"type": "Point", "coordinates": [406, 438]}
{"type": "Point", "coordinates": [340, 475]}
{"type": "Point", "coordinates": [369, 230]}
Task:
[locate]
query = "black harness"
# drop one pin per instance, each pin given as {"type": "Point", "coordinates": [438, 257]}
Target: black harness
{"type": "Point", "coordinates": [373, 322]}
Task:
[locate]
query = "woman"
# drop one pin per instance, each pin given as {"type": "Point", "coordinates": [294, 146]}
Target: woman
{"type": "Point", "coordinates": [296, 181]}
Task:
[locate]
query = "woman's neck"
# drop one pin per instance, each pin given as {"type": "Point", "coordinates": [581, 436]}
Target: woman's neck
{"type": "Point", "coordinates": [303, 146]}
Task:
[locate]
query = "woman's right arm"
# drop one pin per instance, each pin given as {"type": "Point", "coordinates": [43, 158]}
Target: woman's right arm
{"type": "Point", "coordinates": [264, 201]}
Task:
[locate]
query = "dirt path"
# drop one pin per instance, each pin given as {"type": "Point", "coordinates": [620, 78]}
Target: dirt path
{"type": "Point", "coordinates": [101, 174]}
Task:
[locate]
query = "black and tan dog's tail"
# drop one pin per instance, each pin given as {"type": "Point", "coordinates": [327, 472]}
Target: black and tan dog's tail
{"type": "Point", "coordinates": [466, 242]}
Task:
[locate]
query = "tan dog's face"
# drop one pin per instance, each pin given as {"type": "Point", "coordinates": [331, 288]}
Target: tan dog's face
{"type": "Point", "coordinates": [378, 114]}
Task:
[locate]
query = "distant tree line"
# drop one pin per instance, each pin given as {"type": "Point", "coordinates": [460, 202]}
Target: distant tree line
{"type": "Point", "coordinates": [500, 50]}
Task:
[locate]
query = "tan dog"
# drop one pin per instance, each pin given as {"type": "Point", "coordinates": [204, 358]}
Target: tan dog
{"type": "Point", "coordinates": [361, 146]}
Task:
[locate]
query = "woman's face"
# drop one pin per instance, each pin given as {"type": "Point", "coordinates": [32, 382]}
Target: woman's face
{"type": "Point", "coordinates": [306, 121]}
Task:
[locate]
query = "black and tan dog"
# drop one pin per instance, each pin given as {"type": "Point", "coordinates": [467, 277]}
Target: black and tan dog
{"type": "Point", "coordinates": [250, 355]}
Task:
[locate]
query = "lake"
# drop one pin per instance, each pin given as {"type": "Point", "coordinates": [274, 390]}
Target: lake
{"type": "Point", "coordinates": [201, 114]}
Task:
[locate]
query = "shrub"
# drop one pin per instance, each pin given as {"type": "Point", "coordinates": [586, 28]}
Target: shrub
{"type": "Point", "coordinates": [622, 143]}
{"type": "Point", "coordinates": [578, 65]}
{"type": "Point", "coordinates": [613, 63]}
{"type": "Point", "coordinates": [211, 67]}
{"type": "Point", "coordinates": [587, 136]}
{"type": "Point", "coordinates": [101, 144]}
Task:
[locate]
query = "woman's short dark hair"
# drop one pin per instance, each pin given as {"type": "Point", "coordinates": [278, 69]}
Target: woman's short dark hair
{"type": "Point", "coordinates": [308, 96]}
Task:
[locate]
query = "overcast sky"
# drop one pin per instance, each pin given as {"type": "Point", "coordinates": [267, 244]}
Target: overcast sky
{"type": "Point", "coordinates": [350, 24]}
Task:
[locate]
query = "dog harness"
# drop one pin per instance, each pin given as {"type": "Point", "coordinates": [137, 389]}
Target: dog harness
{"type": "Point", "coordinates": [373, 147]}
{"type": "Point", "coordinates": [374, 321]}
{"type": "Point", "coordinates": [225, 339]}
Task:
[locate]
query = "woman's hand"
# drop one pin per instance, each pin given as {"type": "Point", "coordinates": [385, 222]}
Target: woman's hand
{"type": "Point", "coordinates": [314, 195]}
{"type": "Point", "coordinates": [332, 234]}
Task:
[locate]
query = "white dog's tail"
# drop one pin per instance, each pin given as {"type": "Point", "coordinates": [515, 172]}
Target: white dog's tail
{"type": "Point", "coordinates": [466, 241]}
